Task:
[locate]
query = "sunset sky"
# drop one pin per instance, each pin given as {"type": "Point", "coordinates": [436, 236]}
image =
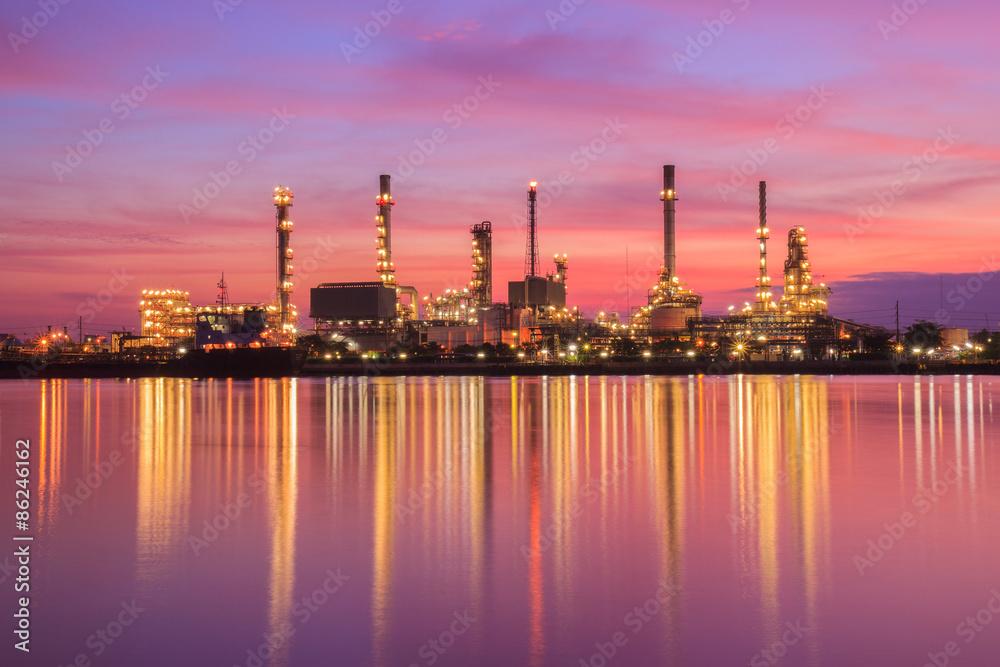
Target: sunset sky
{"type": "Point", "coordinates": [117, 114]}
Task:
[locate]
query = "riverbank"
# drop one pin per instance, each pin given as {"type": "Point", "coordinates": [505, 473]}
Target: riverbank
{"type": "Point", "coordinates": [241, 369]}
{"type": "Point", "coordinates": [652, 367]}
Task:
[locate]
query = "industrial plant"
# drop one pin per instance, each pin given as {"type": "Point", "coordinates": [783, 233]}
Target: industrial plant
{"type": "Point", "coordinates": [536, 319]}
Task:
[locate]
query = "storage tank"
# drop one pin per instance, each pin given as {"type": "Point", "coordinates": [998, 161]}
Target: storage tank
{"type": "Point", "coordinates": [668, 318]}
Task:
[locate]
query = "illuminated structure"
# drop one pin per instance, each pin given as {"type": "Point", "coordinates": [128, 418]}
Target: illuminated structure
{"type": "Point", "coordinates": [383, 244]}
{"type": "Point", "coordinates": [764, 302]}
{"type": "Point", "coordinates": [541, 294]}
{"type": "Point", "coordinates": [383, 233]}
{"type": "Point", "coordinates": [456, 305]}
{"type": "Point", "coordinates": [166, 317]}
{"type": "Point", "coordinates": [482, 265]}
{"type": "Point", "coordinates": [669, 304]}
{"type": "Point", "coordinates": [531, 252]}
{"type": "Point", "coordinates": [561, 264]}
{"type": "Point", "coordinates": [286, 315]}
{"type": "Point", "coordinates": [800, 295]}
{"type": "Point", "coordinates": [800, 328]}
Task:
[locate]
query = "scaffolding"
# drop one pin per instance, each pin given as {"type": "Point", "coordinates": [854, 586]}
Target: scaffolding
{"type": "Point", "coordinates": [166, 317]}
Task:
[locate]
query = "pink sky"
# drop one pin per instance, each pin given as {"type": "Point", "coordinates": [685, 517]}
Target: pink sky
{"type": "Point", "coordinates": [879, 97]}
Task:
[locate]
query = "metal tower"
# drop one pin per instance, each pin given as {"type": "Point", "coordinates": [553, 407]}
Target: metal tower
{"type": "Point", "coordinates": [223, 298]}
{"type": "Point", "coordinates": [482, 265]}
{"type": "Point", "coordinates": [286, 317]}
{"type": "Point", "coordinates": [383, 239]}
{"type": "Point", "coordinates": [531, 254]}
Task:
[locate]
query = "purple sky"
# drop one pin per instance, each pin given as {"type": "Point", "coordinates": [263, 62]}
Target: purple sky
{"type": "Point", "coordinates": [835, 99]}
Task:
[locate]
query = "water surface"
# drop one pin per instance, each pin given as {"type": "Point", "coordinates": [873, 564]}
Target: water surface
{"type": "Point", "coordinates": [484, 521]}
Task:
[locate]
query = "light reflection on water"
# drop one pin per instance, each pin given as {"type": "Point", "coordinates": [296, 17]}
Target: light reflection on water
{"type": "Point", "coordinates": [511, 521]}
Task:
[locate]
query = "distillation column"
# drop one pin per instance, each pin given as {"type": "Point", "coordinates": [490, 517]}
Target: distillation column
{"type": "Point", "coordinates": [482, 265]}
{"type": "Point", "coordinates": [286, 315]}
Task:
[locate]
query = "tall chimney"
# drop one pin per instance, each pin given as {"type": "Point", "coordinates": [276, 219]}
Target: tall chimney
{"type": "Point", "coordinates": [383, 228]}
{"type": "Point", "coordinates": [531, 253]}
{"type": "Point", "coordinates": [669, 196]}
{"type": "Point", "coordinates": [763, 280]}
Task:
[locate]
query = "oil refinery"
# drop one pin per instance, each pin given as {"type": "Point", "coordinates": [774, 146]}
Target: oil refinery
{"type": "Point", "coordinates": [365, 319]}
{"type": "Point", "coordinates": [385, 316]}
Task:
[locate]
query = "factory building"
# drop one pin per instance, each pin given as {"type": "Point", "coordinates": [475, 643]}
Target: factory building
{"type": "Point", "coordinates": [353, 302]}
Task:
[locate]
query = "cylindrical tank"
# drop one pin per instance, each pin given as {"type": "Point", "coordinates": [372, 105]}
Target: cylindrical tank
{"type": "Point", "coordinates": [669, 318]}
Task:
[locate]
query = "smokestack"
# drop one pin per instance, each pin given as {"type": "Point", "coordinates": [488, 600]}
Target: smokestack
{"type": "Point", "coordinates": [384, 267]}
{"type": "Point", "coordinates": [669, 196]}
{"type": "Point", "coordinates": [531, 254]}
{"type": "Point", "coordinates": [763, 281]}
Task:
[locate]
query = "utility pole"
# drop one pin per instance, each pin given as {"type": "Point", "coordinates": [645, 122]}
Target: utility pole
{"type": "Point", "coordinates": [897, 321]}
{"type": "Point", "coordinates": [628, 297]}
{"type": "Point", "coordinates": [81, 331]}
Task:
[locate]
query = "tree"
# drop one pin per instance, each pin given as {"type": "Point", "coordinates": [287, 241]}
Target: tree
{"type": "Point", "coordinates": [877, 341]}
{"type": "Point", "coordinates": [923, 334]}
